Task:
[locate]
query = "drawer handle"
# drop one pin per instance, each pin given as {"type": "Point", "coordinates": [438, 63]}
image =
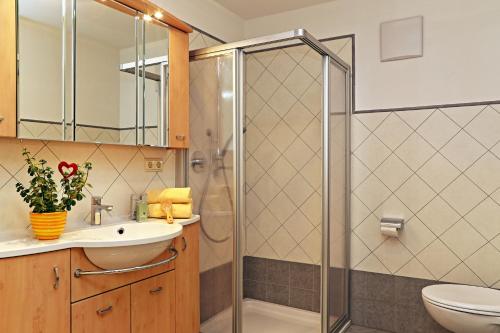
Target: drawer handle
{"type": "Point", "coordinates": [156, 290]}
{"type": "Point", "coordinates": [180, 137]}
{"type": "Point", "coordinates": [2, 119]}
{"type": "Point", "coordinates": [184, 243]}
{"type": "Point", "coordinates": [103, 311]}
{"type": "Point", "coordinates": [79, 273]}
{"type": "Point", "coordinates": [57, 278]}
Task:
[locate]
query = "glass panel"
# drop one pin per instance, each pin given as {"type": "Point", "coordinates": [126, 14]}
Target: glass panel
{"type": "Point", "coordinates": [338, 270]}
{"type": "Point", "coordinates": [156, 84]}
{"type": "Point", "coordinates": [105, 96]}
{"type": "Point", "coordinates": [40, 80]}
{"type": "Point", "coordinates": [211, 178]}
{"type": "Point", "coordinates": [282, 253]}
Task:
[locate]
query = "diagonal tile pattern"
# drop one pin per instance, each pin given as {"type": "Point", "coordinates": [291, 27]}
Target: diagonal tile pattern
{"type": "Point", "coordinates": [439, 170]}
{"type": "Point", "coordinates": [283, 141]}
{"type": "Point", "coordinates": [114, 184]}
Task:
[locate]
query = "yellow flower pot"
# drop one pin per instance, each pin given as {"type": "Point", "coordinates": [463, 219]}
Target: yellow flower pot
{"type": "Point", "coordinates": [48, 225]}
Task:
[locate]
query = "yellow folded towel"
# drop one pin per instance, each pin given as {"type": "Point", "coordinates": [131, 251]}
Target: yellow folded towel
{"type": "Point", "coordinates": [179, 211]}
{"type": "Point", "coordinates": [154, 195]}
{"type": "Point", "coordinates": [155, 211]}
{"type": "Point", "coordinates": [182, 211]}
{"type": "Point", "coordinates": [176, 195]}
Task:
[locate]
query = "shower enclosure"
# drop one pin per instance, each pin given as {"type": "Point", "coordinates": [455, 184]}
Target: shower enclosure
{"type": "Point", "coordinates": [269, 168]}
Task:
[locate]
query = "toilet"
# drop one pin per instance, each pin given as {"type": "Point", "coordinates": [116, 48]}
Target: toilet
{"type": "Point", "coordinates": [463, 309]}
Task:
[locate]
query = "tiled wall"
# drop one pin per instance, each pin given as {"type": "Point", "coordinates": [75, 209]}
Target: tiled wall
{"type": "Point", "coordinates": [283, 142]}
{"type": "Point", "coordinates": [118, 172]}
{"type": "Point", "coordinates": [439, 169]}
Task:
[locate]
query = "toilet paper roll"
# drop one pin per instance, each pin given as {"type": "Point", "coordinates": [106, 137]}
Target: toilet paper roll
{"type": "Point", "coordinates": [391, 232]}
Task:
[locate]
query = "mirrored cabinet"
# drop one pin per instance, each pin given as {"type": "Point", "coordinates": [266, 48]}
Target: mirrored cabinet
{"type": "Point", "coordinates": [95, 71]}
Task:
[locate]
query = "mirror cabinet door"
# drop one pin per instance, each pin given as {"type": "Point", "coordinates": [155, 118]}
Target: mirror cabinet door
{"type": "Point", "coordinates": [154, 80]}
{"type": "Point", "coordinates": [91, 71]}
{"type": "Point", "coordinates": [41, 59]}
{"type": "Point", "coordinates": [105, 96]}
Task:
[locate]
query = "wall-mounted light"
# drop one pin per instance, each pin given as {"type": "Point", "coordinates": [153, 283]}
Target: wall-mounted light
{"type": "Point", "coordinates": [158, 15]}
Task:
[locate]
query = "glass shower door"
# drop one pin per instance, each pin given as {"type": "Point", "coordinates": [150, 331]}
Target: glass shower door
{"type": "Point", "coordinates": [211, 174]}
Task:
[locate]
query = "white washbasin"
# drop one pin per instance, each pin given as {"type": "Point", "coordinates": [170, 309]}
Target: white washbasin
{"type": "Point", "coordinates": [111, 246]}
{"type": "Point", "coordinates": [126, 245]}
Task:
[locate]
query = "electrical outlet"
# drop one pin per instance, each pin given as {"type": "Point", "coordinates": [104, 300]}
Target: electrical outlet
{"type": "Point", "coordinates": [153, 164]}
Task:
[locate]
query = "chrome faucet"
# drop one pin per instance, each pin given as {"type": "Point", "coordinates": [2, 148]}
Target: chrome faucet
{"type": "Point", "coordinates": [96, 208]}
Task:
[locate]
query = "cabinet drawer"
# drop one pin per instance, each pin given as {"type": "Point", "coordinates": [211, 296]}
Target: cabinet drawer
{"type": "Point", "coordinates": [153, 305]}
{"type": "Point", "coordinates": [87, 286]}
{"type": "Point", "coordinates": [109, 312]}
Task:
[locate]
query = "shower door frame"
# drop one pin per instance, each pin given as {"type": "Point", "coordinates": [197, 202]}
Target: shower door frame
{"type": "Point", "coordinates": [236, 49]}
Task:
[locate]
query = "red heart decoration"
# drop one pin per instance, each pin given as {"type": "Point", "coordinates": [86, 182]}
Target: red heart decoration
{"type": "Point", "coordinates": [68, 166]}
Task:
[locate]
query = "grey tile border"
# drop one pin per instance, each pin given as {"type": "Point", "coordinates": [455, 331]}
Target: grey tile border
{"type": "Point", "coordinates": [282, 282]}
{"type": "Point", "coordinates": [390, 303]}
{"type": "Point", "coordinates": [215, 290]}
{"type": "Point", "coordinates": [426, 107]}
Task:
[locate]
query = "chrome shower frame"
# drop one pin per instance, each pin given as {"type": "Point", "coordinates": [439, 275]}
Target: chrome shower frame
{"type": "Point", "coordinates": [237, 50]}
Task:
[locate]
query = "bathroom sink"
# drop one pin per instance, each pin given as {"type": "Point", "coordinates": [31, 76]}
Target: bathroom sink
{"type": "Point", "coordinates": [125, 245]}
{"type": "Point", "coordinates": [113, 245]}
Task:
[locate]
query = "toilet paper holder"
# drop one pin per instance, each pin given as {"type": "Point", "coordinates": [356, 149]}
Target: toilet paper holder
{"type": "Point", "coordinates": [392, 222]}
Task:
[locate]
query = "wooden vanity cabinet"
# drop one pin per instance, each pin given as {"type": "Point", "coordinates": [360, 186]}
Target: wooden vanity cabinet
{"type": "Point", "coordinates": [153, 304]}
{"type": "Point", "coordinates": [147, 306]}
{"type": "Point", "coordinates": [35, 293]}
{"type": "Point", "coordinates": [187, 274]}
{"type": "Point", "coordinates": [39, 293]}
{"type": "Point", "coordinates": [108, 312]}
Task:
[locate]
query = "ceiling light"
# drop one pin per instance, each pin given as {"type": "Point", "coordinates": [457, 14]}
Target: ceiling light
{"type": "Point", "coordinates": [158, 15]}
{"type": "Point", "coordinates": [147, 17]}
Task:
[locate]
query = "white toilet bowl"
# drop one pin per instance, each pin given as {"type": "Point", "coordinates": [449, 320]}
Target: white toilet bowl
{"type": "Point", "coordinates": [464, 309]}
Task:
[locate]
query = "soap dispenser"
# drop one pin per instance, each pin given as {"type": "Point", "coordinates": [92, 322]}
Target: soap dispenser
{"type": "Point", "coordinates": [141, 211]}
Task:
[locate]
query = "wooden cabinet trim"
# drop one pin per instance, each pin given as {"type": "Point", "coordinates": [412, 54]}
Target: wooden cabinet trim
{"type": "Point", "coordinates": [187, 284]}
{"type": "Point", "coordinates": [178, 89]}
{"type": "Point", "coordinates": [8, 69]}
{"type": "Point", "coordinates": [149, 8]}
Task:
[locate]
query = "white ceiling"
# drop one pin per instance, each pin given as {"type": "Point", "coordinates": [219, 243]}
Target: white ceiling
{"type": "Point", "coordinates": [249, 9]}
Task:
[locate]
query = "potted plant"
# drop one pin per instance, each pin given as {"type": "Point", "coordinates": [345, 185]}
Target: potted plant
{"type": "Point", "coordinates": [49, 205]}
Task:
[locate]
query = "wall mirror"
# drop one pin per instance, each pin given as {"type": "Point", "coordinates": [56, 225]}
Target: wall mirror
{"type": "Point", "coordinates": [91, 71]}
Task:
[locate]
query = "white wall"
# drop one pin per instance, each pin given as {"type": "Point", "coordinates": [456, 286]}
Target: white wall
{"type": "Point", "coordinates": [461, 51]}
{"type": "Point", "coordinates": [208, 16]}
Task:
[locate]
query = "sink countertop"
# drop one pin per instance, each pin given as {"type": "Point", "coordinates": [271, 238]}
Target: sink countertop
{"type": "Point", "coordinates": [87, 238]}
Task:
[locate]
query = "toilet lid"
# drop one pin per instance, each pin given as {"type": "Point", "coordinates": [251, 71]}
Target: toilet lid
{"type": "Point", "coordinates": [464, 298]}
